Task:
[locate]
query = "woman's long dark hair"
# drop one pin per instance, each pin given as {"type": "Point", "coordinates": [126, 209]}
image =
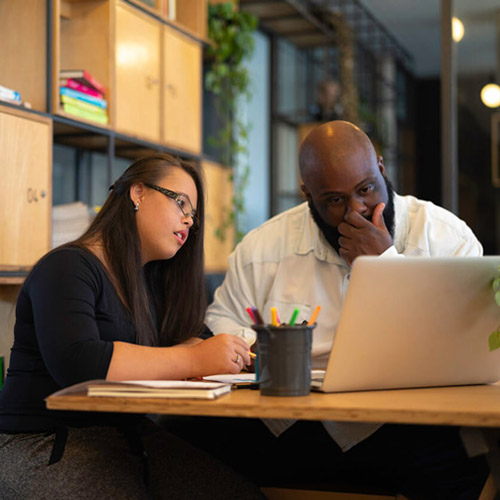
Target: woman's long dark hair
{"type": "Point", "coordinates": [166, 298]}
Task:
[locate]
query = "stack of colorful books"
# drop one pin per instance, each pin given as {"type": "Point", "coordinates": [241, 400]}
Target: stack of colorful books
{"type": "Point", "coordinates": [10, 96]}
{"type": "Point", "coordinates": [83, 96]}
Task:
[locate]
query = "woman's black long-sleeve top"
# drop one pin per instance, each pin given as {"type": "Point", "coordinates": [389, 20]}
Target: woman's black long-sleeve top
{"type": "Point", "coordinates": [68, 315]}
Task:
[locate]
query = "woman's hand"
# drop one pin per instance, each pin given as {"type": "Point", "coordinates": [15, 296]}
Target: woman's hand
{"type": "Point", "coordinates": [222, 353]}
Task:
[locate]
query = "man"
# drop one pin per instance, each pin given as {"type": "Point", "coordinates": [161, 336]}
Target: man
{"type": "Point", "coordinates": [327, 106]}
{"type": "Point", "coordinates": [302, 258]}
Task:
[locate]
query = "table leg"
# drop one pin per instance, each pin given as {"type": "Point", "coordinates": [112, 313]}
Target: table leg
{"type": "Point", "coordinates": [479, 441]}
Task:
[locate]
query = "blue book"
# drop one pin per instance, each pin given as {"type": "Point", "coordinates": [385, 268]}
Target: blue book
{"type": "Point", "coordinates": [84, 97]}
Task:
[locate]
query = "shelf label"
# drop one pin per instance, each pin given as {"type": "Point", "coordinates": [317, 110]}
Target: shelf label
{"type": "Point", "coordinates": [32, 195]}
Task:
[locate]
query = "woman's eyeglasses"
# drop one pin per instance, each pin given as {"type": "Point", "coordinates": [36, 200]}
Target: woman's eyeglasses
{"type": "Point", "coordinates": [182, 200]}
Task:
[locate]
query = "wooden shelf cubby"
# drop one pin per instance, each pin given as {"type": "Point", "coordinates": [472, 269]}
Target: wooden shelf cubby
{"type": "Point", "coordinates": [81, 40]}
{"type": "Point", "coordinates": [151, 67]}
{"type": "Point", "coordinates": [23, 43]}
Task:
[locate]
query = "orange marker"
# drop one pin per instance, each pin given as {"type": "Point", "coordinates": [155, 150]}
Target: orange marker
{"type": "Point", "coordinates": [314, 315]}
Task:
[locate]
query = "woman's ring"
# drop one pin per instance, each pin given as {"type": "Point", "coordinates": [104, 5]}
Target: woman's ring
{"type": "Point", "coordinates": [237, 359]}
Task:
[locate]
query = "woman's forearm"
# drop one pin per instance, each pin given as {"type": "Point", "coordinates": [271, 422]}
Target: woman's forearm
{"type": "Point", "coordinates": [219, 354]}
{"type": "Point", "coordinates": [136, 362]}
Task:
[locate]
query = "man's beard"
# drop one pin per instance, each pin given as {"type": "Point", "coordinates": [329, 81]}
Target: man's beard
{"type": "Point", "coordinates": [331, 233]}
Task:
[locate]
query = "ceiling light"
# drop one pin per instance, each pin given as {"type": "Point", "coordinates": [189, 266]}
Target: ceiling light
{"type": "Point", "coordinates": [490, 95]}
{"type": "Point", "coordinates": [457, 29]}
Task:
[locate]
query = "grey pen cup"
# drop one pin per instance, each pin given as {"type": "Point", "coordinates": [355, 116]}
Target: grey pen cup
{"type": "Point", "coordinates": [284, 359]}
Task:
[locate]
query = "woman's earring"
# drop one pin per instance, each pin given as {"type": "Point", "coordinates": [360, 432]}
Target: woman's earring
{"type": "Point", "coordinates": [136, 208]}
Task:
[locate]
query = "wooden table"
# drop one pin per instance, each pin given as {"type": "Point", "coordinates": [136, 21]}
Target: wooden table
{"type": "Point", "coordinates": [475, 406]}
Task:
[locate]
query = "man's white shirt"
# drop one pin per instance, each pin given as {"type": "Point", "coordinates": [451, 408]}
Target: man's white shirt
{"type": "Point", "coordinates": [288, 263]}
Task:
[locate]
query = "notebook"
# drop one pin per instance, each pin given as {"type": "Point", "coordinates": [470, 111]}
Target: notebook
{"type": "Point", "coordinates": [415, 322]}
{"type": "Point", "coordinates": [189, 389]}
{"type": "Point", "coordinates": [158, 389]}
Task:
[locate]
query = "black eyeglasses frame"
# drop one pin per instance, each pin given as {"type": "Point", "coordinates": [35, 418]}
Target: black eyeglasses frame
{"type": "Point", "coordinates": [173, 195]}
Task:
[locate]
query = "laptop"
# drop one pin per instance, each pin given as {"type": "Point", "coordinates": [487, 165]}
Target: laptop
{"type": "Point", "coordinates": [415, 322]}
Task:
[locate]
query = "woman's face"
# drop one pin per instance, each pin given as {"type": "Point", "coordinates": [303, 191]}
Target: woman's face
{"type": "Point", "coordinates": [163, 226]}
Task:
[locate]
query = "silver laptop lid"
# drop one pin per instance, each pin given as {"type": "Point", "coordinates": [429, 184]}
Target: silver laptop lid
{"type": "Point", "coordinates": [416, 322]}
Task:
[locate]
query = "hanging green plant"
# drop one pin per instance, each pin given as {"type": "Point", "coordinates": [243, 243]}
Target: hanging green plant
{"type": "Point", "coordinates": [230, 32]}
{"type": "Point", "coordinates": [494, 338]}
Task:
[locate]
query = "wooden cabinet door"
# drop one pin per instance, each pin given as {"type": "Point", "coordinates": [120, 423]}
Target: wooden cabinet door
{"type": "Point", "coordinates": [220, 190]}
{"type": "Point", "coordinates": [137, 69]}
{"type": "Point", "coordinates": [182, 91]}
{"type": "Point", "coordinates": [25, 190]}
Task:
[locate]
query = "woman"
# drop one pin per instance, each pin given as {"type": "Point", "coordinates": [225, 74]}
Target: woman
{"type": "Point", "coordinates": [123, 301]}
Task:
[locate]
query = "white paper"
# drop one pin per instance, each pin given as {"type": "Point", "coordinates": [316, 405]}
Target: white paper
{"type": "Point", "coordinates": [229, 378]}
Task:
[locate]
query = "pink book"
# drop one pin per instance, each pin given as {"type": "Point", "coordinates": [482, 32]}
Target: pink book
{"type": "Point", "coordinates": [82, 76]}
{"type": "Point", "coordinates": [73, 84]}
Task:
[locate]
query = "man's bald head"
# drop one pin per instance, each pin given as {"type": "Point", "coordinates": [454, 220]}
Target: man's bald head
{"type": "Point", "coordinates": [334, 145]}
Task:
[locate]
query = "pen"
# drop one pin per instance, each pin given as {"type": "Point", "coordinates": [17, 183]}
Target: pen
{"type": "Point", "coordinates": [246, 385]}
{"type": "Point", "coordinates": [252, 354]}
{"type": "Point", "coordinates": [314, 315]}
{"type": "Point", "coordinates": [257, 315]}
{"type": "Point", "coordinates": [274, 317]}
{"type": "Point", "coordinates": [251, 314]}
{"type": "Point", "coordinates": [294, 316]}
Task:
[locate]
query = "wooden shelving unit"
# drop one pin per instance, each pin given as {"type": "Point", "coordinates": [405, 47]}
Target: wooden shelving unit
{"type": "Point", "coordinates": [101, 37]}
{"type": "Point", "coordinates": [40, 39]}
{"type": "Point", "coordinates": [150, 65]}
{"type": "Point", "coordinates": [89, 34]}
{"type": "Point", "coordinates": [95, 35]}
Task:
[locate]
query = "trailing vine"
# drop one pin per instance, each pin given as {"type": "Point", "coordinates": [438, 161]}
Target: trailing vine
{"type": "Point", "coordinates": [494, 338]}
{"type": "Point", "coordinates": [230, 32]}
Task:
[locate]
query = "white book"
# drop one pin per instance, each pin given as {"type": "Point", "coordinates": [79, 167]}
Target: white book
{"type": "Point", "coordinates": [9, 94]}
{"type": "Point", "coordinates": [158, 389]}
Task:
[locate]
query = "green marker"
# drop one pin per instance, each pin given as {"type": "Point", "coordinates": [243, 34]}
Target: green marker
{"type": "Point", "coordinates": [293, 319]}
